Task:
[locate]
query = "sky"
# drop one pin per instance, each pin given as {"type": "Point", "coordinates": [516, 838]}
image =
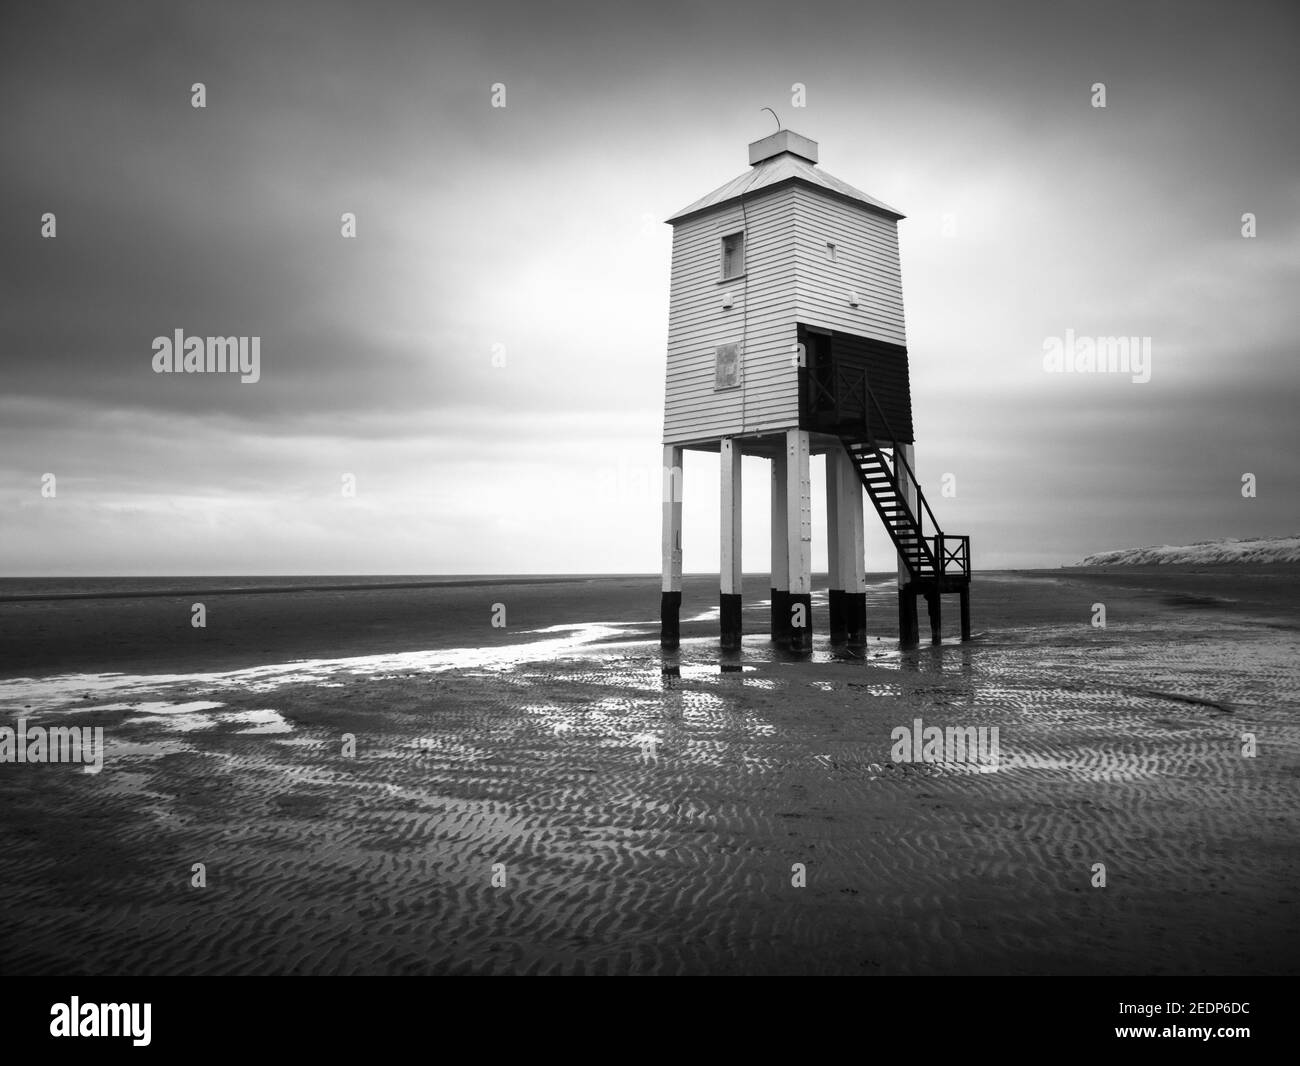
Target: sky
{"type": "Point", "coordinates": [485, 358]}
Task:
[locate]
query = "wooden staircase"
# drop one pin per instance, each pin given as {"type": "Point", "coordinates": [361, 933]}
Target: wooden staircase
{"type": "Point", "coordinates": [837, 399]}
{"type": "Point", "coordinates": [936, 562]}
{"type": "Point", "coordinates": [927, 557]}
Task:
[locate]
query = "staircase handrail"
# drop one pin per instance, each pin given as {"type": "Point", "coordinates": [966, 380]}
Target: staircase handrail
{"type": "Point", "coordinates": [899, 457]}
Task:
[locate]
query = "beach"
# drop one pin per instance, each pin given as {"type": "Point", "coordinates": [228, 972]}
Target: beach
{"type": "Point", "coordinates": [378, 780]}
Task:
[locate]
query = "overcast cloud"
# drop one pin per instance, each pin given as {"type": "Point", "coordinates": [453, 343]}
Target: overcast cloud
{"type": "Point", "coordinates": [536, 232]}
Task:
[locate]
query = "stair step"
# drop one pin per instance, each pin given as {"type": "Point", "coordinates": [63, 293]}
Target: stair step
{"type": "Point", "coordinates": [885, 479]}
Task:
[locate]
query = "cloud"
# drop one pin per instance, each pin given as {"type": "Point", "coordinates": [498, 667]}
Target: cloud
{"type": "Point", "coordinates": [487, 355]}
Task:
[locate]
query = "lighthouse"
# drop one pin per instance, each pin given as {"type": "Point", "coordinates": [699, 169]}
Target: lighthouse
{"type": "Point", "coordinates": [786, 340]}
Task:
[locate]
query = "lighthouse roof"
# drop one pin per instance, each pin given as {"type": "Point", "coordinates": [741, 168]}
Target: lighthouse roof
{"type": "Point", "coordinates": [784, 158]}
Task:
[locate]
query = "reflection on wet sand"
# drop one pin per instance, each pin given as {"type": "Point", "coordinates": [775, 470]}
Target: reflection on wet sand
{"type": "Point", "coordinates": [647, 809]}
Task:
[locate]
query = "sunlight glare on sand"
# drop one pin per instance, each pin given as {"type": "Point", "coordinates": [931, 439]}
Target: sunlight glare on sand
{"type": "Point", "coordinates": [69, 691]}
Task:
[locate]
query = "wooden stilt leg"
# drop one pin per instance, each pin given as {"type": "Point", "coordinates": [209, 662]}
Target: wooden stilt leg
{"type": "Point", "coordinates": [731, 592]}
{"type": "Point", "coordinates": [671, 601]}
{"type": "Point", "coordinates": [909, 634]}
{"type": "Point", "coordinates": [852, 551]}
{"type": "Point", "coordinates": [834, 531]}
{"type": "Point", "coordinates": [798, 502]}
{"type": "Point", "coordinates": [780, 553]}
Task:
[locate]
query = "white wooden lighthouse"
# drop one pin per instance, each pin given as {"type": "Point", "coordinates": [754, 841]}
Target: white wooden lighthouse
{"type": "Point", "coordinates": [786, 340]}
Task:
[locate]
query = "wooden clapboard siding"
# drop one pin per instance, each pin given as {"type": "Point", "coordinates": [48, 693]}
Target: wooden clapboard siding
{"type": "Point", "coordinates": [761, 318]}
{"type": "Point", "coordinates": [866, 260]}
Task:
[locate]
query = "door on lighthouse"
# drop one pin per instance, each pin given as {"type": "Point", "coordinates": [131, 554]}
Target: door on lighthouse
{"type": "Point", "coordinates": [821, 379]}
{"type": "Point", "coordinates": [836, 384]}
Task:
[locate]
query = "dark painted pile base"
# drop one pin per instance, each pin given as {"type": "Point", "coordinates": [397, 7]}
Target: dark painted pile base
{"type": "Point", "coordinates": [800, 636]}
{"type": "Point", "coordinates": [848, 612]}
{"type": "Point", "coordinates": [670, 626]}
{"type": "Point", "coordinates": [784, 631]}
{"type": "Point", "coordinates": [835, 604]}
{"type": "Point", "coordinates": [780, 616]}
{"type": "Point", "coordinates": [848, 616]}
{"type": "Point", "coordinates": [909, 629]}
{"type": "Point", "coordinates": [729, 612]}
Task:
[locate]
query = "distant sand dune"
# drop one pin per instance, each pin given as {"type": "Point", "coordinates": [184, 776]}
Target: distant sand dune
{"type": "Point", "coordinates": [1228, 550]}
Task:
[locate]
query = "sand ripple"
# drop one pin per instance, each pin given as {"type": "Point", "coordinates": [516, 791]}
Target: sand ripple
{"type": "Point", "coordinates": [650, 823]}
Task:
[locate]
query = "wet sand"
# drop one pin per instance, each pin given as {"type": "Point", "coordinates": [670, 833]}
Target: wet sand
{"type": "Point", "coordinates": [152, 632]}
{"type": "Point", "coordinates": [648, 821]}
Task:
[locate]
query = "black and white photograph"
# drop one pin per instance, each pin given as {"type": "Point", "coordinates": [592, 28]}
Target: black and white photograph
{"type": "Point", "coordinates": [650, 490]}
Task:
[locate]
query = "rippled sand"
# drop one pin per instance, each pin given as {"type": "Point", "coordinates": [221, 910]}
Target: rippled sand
{"type": "Point", "coordinates": [648, 812]}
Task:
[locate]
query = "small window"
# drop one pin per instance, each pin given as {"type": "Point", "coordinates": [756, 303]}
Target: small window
{"type": "Point", "coordinates": [726, 374]}
{"type": "Point", "coordinates": [733, 255]}
{"type": "Point", "coordinates": [830, 251]}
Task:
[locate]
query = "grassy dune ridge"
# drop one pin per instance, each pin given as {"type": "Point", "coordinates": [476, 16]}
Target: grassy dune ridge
{"type": "Point", "coordinates": [1205, 552]}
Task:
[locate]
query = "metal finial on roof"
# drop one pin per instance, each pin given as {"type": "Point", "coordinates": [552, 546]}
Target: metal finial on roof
{"type": "Point", "coordinates": [773, 114]}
